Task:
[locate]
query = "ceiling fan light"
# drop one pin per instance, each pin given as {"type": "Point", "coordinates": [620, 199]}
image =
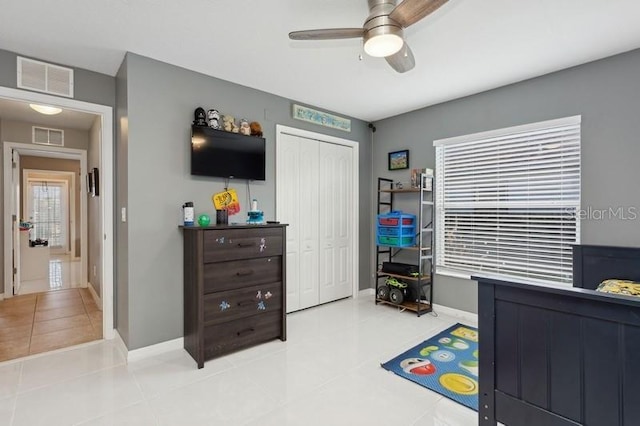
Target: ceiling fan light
{"type": "Point", "coordinates": [45, 109]}
{"type": "Point", "coordinates": [382, 40]}
{"type": "Point", "coordinates": [383, 45]}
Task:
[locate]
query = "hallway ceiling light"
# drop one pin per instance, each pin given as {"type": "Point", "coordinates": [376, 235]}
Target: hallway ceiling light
{"type": "Point", "coordinates": [46, 109]}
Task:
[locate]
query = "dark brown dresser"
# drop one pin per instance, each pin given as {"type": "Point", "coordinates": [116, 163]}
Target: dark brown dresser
{"type": "Point", "coordinates": [234, 288]}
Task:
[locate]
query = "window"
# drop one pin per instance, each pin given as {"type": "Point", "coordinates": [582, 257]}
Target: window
{"type": "Point", "coordinates": [48, 211]}
{"type": "Point", "coordinates": [507, 202]}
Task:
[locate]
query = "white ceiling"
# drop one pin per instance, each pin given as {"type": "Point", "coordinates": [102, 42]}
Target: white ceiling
{"type": "Point", "coordinates": [465, 47]}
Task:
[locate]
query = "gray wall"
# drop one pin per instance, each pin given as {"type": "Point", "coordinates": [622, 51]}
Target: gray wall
{"type": "Point", "coordinates": [22, 132]}
{"type": "Point", "coordinates": [159, 105]}
{"type": "Point", "coordinates": [607, 95]}
{"type": "Point", "coordinates": [94, 217]}
{"type": "Point", "coordinates": [88, 86]}
{"type": "Point", "coordinates": [121, 243]}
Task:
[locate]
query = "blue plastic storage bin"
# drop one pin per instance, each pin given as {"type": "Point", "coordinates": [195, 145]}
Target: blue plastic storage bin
{"type": "Point", "coordinates": [396, 229]}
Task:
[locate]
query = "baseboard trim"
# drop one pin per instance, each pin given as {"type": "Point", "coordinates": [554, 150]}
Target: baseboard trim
{"type": "Point", "coordinates": [120, 343]}
{"type": "Point", "coordinates": [95, 296]}
{"type": "Point", "coordinates": [147, 351]}
{"type": "Point", "coordinates": [367, 292]}
{"type": "Point", "coordinates": [457, 313]}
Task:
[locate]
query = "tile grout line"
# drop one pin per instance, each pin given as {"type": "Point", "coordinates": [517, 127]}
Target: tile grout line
{"type": "Point", "coordinates": [33, 324]}
{"type": "Point", "coordinates": [15, 401]}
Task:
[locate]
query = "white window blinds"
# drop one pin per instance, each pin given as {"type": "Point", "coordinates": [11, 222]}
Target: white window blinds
{"type": "Point", "coordinates": [507, 201]}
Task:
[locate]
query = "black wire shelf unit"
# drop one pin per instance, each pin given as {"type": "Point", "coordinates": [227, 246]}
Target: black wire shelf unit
{"type": "Point", "coordinates": [420, 285]}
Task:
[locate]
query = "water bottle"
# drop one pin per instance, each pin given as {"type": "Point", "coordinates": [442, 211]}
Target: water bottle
{"type": "Point", "coordinates": [188, 213]}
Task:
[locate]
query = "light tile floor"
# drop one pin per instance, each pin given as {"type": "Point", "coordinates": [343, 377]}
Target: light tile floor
{"type": "Point", "coordinates": [64, 273]}
{"type": "Point", "coordinates": [327, 373]}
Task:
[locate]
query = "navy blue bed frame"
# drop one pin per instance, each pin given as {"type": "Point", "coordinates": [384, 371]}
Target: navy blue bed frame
{"type": "Point", "coordinates": [559, 356]}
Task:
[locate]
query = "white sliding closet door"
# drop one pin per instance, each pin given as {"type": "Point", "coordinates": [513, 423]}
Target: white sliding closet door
{"type": "Point", "coordinates": [297, 201]}
{"type": "Point", "coordinates": [335, 226]}
{"type": "Point", "coordinates": [315, 196]}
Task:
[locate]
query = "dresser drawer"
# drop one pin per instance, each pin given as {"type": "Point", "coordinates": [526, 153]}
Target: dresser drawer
{"type": "Point", "coordinates": [241, 273]}
{"type": "Point", "coordinates": [226, 337]}
{"type": "Point", "coordinates": [234, 304]}
{"type": "Point", "coordinates": [231, 244]}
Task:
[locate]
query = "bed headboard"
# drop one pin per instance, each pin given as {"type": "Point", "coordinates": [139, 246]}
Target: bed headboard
{"type": "Point", "coordinates": [594, 264]}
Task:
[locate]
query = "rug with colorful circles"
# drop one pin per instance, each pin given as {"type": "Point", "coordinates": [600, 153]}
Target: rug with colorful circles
{"type": "Point", "coordinates": [446, 363]}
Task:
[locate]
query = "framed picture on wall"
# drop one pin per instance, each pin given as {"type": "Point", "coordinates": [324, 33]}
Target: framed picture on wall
{"type": "Point", "coordinates": [399, 160]}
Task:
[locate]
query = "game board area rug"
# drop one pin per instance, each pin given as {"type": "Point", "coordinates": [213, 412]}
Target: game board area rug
{"type": "Point", "coordinates": [446, 363]}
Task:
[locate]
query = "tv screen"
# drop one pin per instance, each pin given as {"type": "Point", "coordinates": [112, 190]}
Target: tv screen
{"type": "Point", "coordinates": [228, 155]}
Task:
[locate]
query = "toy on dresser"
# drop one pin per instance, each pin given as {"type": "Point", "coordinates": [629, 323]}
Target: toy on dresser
{"type": "Point", "coordinates": [255, 216]}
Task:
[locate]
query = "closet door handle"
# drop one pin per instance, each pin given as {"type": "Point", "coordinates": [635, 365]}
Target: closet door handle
{"type": "Point", "coordinates": [246, 244]}
{"type": "Point", "coordinates": [245, 303]}
{"type": "Point", "coordinates": [244, 273]}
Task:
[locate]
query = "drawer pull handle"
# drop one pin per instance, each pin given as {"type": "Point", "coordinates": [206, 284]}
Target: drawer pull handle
{"type": "Point", "coordinates": [247, 331]}
{"type": "Point", "coordinates": [246, 303]}
{"type": "Point", "coordinates": [244, 273]}
{"type": "Point", "coordinates": [246, 244]}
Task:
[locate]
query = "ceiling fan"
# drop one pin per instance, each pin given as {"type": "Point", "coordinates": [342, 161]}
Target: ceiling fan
{"type": "Point", "coordinates": [382, 30]}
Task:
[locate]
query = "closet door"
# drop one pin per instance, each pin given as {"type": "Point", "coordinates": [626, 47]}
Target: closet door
{"type": "Point", "coordinates": [297, 205]}
{"type": "Point", "coordinates": [335, 222]}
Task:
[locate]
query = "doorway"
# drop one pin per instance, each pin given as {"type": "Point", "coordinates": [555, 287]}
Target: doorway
{"type": "Point", "coordinates": [317, 195]}
{"type": "Point", "coordinates": [51, 251]}
{"type": "Point", "coordinates": [105, 233]}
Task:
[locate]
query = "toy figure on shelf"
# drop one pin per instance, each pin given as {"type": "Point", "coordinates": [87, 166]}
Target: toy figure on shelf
{"type": "Point", "coordinates": [199, 117]}
{"type": "Point", "coordinates": [256, 128]}
{"type": "Point", "coordinates": [213, 117]}
{"type": "Point", "coordinates": [229, 124]}
{"type": "Point", "coordinates": [244, 127]}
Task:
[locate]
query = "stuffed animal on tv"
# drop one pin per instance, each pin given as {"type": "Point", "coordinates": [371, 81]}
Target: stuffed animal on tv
{"type": "Point", "coordinates": [199, 116]}
{"type": "Point", "coordinates": [244, 127]}
{"type": "Point", "coordinates": [256, 128]}
{"type": "Point", "coordinates": [229, 123]}
{"type": "Point", "coordinates": [213, 117]}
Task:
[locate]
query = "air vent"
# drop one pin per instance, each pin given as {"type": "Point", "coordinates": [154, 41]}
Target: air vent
{"type": "Point", "coordinates": [45, 136]}
{"type": "Point", "coordinates": [43, 77]}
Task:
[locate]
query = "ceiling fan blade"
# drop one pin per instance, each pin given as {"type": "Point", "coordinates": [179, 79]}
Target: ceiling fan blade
{"type": "Point", "coordinates": [411, 11]}
{"type": "Point", "coordinates": [327, 34]}
{"type": "Point", "coordinates": [403, 60]}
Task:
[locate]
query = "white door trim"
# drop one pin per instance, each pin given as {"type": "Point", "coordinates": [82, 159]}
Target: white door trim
{"type": "Point", "coordinates": [280, 129]}
{"type": "Point", "coordinates": [46, 152]}
{"type": "Point", "coordinates": [106, 160]}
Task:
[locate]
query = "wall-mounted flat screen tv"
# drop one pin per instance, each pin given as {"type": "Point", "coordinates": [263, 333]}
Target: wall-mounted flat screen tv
{"type": "Point", "coordinates": [227, 155]}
